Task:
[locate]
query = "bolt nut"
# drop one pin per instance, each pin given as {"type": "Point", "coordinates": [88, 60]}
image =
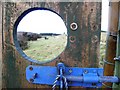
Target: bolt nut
{"type": "Point", "coordinates": [70, 70]}
{"type": "Point", "coordinates": [73, 26]}
{"type": "Point", "coordinates": [117, 58]}
{"type": "Point", "coordinates": [30, 68]}
{"type": "Point", "coordinates": [35, 75]}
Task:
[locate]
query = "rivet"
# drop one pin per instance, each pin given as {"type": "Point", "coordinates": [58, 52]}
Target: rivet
{"type": "Point", "coordinates": [70, 70]}
{"type": "Point", "coordinates": [85, 71]}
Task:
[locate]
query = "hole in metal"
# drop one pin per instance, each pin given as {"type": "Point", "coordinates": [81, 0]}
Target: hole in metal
{"type": "Point", "coordinates": [72, 38]}
{"type": "Point", "coordinates": [91, 9]}
{"type": "Point", "coordinates": [40, 35]}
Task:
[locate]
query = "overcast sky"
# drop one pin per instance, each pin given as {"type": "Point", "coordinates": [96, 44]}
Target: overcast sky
{"type": "Point", "coordinates": [44, 21]}
{"type": "Point", "coordinates": [104, 18]}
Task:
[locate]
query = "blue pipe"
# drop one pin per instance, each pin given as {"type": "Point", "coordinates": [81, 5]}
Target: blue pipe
{"type": "Point", "coordinates": [112, 79]}
{"type": "Point", "coordinates": [74, 78]}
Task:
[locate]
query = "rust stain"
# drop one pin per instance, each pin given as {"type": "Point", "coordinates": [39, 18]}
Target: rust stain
{"type": "Point", "coordinates": [85, 54]}
{"type": "Point", "coordinates": [85, 13]}
{"type": "Point", "coordinates": [77, 53]}
{"type": "Point", "coordinates": [111, 42]}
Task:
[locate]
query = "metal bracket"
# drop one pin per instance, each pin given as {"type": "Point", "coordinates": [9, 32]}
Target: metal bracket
{"type": "Point", "coordinates": [117, 58]}
{"type": "Point", "coordinates": [84, 77]}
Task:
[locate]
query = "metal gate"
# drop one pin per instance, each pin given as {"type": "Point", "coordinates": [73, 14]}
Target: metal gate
{"type": "Point", "coordinates": [82, 48]}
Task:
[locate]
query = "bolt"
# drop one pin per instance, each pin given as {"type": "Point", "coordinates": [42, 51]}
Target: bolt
{"type": "Point", "coordinates": [70, 70]}
{"type": "Point", "coordinates": [35, 75]}
{"type": "Point", "coordinates": [117, 58]}
{"type": "Point", "coordinates": [31, 68]}
{"type": "Point", "coordinates": [31, 80]}
{"type": "Point", "coordinates": [73, 26]}
{"type": "Point", "coordinates": [85, 71]}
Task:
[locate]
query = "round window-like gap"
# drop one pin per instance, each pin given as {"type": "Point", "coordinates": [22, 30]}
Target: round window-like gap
{"type": "Point", "coordinates": [40, 35]}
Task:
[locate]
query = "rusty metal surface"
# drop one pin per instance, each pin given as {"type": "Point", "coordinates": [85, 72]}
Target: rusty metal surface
{"type": "Point", "coordinates": [0, 46]}
{"type": "Point", "coordinates": [111, 40]}
{"type": "Point", "coordinates": [82, 50]}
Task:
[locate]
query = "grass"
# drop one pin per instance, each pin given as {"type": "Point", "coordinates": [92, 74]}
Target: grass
{"type": "Point", "coordinates": [48, 49]}
{"type": "Point", "coordinates": [44, 50]}
{"type": "Point", "coordinates": [102, 48]}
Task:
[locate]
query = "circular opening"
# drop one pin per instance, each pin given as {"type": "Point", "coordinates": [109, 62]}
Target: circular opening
{"type": "Point", "coordinates": [40, 35]}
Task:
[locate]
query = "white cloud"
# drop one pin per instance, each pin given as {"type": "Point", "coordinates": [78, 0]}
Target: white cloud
{"type": "Point", "coordinates": [104, 18]}
{"type": "Point", "coordinates": [42, 21]}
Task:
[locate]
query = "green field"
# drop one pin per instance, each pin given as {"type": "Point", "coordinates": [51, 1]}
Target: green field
{"type": "Point", "coordinates": [102, 48]}
{"type": "Point", "coordinates": [46, 49]}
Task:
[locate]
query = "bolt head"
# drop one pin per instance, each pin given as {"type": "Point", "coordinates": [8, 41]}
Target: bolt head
{"type": "Point", "coordinates": [31, 80]}
{"type": "Point", "coordinates": [85, 71]}
{"type": "Point", "coordinates": [30, 68]}
{"type": "Point", "coordinates": [70, 70]}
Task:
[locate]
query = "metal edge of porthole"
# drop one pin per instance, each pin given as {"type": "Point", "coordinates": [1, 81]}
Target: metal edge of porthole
{"type": "Point", "coordinates": [17, 46]}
